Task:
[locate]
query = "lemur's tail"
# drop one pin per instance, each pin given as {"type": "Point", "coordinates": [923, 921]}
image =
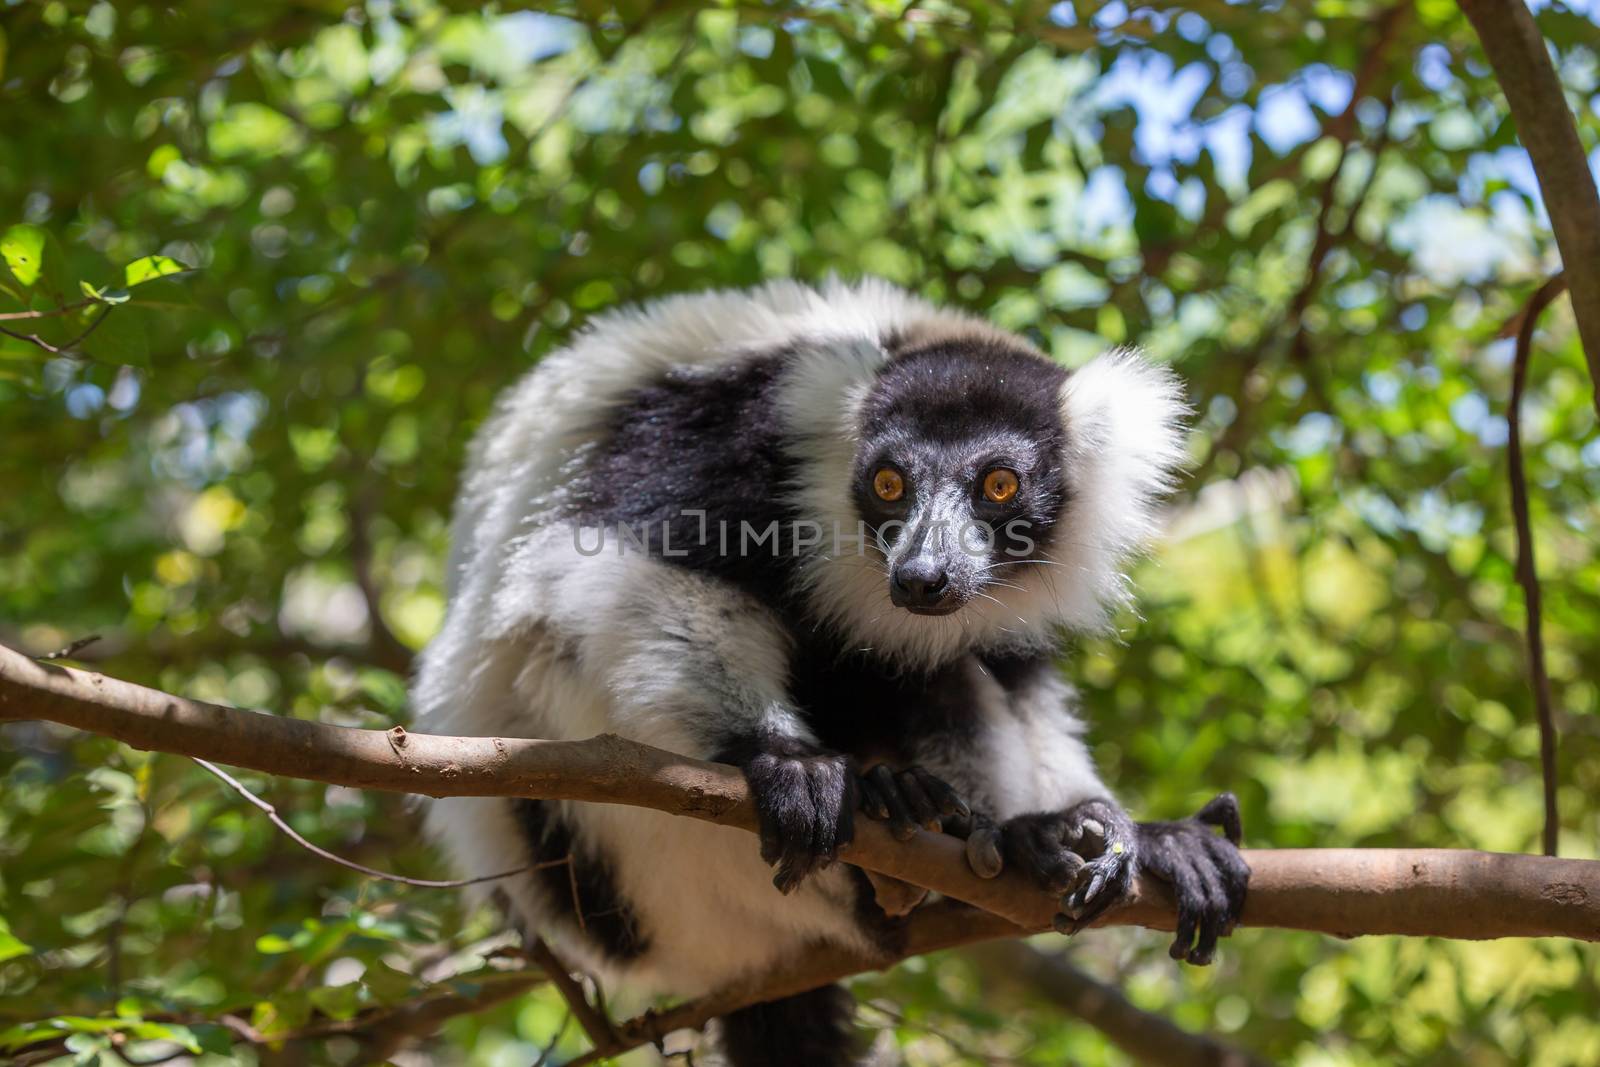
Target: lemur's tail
{"type": "Point", "coordinates": [806, 1030]}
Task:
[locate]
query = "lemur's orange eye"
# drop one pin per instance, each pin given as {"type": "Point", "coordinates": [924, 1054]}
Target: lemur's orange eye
{"type": "Point", "coordinates": [999, 485]}
{"type": "Point", "coordinates": [888, 484]}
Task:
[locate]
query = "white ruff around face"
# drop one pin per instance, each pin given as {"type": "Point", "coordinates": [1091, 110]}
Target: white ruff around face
{"type": "Point", "coordinates": [1124, 439]}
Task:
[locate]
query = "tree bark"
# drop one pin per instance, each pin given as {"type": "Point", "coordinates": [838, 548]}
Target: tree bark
{"type": "Point", "coordinates": [1521, 62]}
{"type": "Point", "coordinates": [1344, 892]}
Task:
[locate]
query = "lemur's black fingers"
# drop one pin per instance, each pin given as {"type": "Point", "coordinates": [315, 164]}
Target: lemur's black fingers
{"type": "Point", "coordinates": [918, 802]}
{"type": "Point", "coordinates": [1187, 889]}
{"type": "Point", "coordinates": [983, 848]}
{"type": "Point", "coordinates": [1213, 919]}
{"type": "Point", "coordinates": [959, 825]}
{"type": "Point", "coordinates": [1235, 874]}
{"type": "Point", "coordinates": [869, 800]}
{"type": "Point", "coordinates": [1040, 847]}
{"type": "Point", "coordinates": [793, 811]}
{"type": "Point", "coordinates": [1222, 811]}
{"type": "Point", "coordinates": [944, 797]}
{"type": "Point", "coordinates": [901, 824]}
{"type": "Point", "coordinates": [833, 800]}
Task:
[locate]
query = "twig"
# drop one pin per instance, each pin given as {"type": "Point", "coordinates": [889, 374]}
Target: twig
{"type": "Point", "coordinates": [72, 649]}
{"type": "Point", "coordinates": [955, 1044]}
{"type": "Point", "coordinates": [72, 343]}
{"type": "Point", "coordinates": [384, 1031]}
{"type": "Point", "coordinates": [595, 1024]}
{"type": "Point", "coordinates": [295, 836]}
{"type": "Point", "coordinates": [1327, 238]}
{"type": "Point", "coordinates": [51, 313]}
{"type": "Point", "coordinates": [555, 1039]}
{"type": "Point", "coordinates": [1342, 128]}
{"type": "Point", "coordinates": [1527, 574]}
{"type": "Point", "coordinates": [66, 346]}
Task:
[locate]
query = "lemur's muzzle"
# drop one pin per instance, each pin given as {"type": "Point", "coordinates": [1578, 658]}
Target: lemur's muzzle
{"type": "Point", "coordinates": [922, 585]}
{"type": "Point", "coordinates": [919, 583]}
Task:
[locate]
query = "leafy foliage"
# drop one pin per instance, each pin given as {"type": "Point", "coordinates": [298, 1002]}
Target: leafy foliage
{"type": "Point", "coordinates": [266, 265]}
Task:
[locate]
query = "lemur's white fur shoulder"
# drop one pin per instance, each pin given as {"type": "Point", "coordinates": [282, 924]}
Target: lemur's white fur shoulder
{"type": "Point", "coordinates": [530, 616]}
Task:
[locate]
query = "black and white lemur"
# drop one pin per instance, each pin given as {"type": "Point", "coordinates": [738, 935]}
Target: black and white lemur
{"type": "Point", "coordinates": [658, 536]}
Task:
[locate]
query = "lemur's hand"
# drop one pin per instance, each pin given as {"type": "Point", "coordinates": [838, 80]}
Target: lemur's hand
{"type": "Point", "coordinates": [806, 799]}
{"type": "Point", "coordinates": [1086, 855]}
{"type": "Point", "coordinates": [1206, 873]}
{"type": "Point", "coordinates": [1090, 853]}
{"type": "Point", "coordinates": [909, 798]}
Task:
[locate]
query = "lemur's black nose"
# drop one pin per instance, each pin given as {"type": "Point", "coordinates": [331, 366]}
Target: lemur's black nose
{"type": "Point", "coordinates": [918, 582]}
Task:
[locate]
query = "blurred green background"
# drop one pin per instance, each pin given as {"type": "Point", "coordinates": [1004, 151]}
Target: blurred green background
{"type": "Point", "coordinates": [1316, 209]}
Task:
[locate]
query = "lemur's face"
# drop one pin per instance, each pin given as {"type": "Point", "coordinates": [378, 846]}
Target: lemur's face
{"type": "Point", "coordinates": [959, 471]}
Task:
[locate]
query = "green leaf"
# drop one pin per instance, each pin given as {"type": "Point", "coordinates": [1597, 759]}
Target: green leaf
{"type": "Point", "coordinates": [104, 296]}
{"type": "Point", "coordinates": [22, 247]}
{"type": "Point", "coordinates": [173, 1032]}
{"type": "Point", "coordinates": [273, 944]}
{"type": "Point", "coordinates": [24, 1034]}
{"type": "Point", "coordinates": [143, 270]}
{"type": "Point", "coordinates": [10, 945]}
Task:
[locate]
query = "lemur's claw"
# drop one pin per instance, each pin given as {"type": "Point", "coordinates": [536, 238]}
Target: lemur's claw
{"type": "Point", "coordinates": [908, 799]}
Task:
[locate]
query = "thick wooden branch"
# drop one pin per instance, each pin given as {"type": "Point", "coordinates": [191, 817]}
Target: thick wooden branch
{"type": "Point", "coordinates": [1345, 892]}
{"type": "Point", "coordinates": [1144, 1036]}
{"type": "Point", "coordinates": [1521, 62]}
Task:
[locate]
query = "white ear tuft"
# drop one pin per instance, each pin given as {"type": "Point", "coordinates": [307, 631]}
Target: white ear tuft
{"type": "Point", "coordinates": [1125, 425]}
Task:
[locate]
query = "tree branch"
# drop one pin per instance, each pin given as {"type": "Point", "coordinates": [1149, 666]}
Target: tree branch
{"type": "Point", "coordinates": [1346, 892]}
{"type": "Point", "coordinates": [1527, 573]}
{"type": "Point", "coordinates": [1144, 1036]}
{"type": "Point", "coordinates": [1521, 62]}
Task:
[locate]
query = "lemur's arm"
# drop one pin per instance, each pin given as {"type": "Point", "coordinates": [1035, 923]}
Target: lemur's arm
{"type": "Point", "coordinates": [1041, 808]}
{"type": "Point", "coordinates": [693, 665]}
